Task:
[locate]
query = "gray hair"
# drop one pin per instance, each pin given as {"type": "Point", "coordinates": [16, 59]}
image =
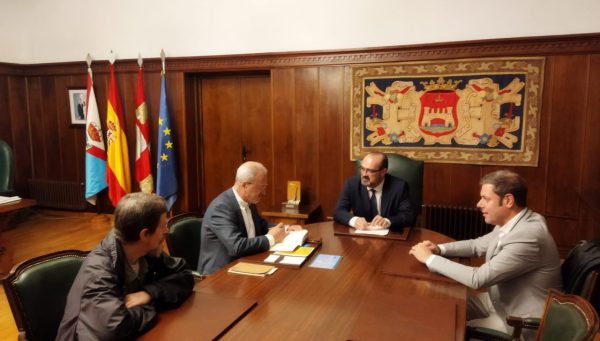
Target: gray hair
{"type": "Point", "coordinates": [248, 170]}
{"type": "Point", "coordinates": [136, 211]}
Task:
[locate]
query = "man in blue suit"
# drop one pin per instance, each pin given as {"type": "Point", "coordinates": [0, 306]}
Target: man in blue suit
{"type": "Point", "coordinates": [232, 227]}
{"type": "Point", "coordinates": [375, 199]}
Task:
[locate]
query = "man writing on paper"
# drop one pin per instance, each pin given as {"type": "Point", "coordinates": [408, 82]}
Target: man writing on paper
{"type": "Point", "coordinates": [232, 227]}
{"type": "Point", "coordinates": [375, 199]}
{"type": "Point", "coordinates": [127, 278]}
{"type": "Point", "coordinates": [521, 259]}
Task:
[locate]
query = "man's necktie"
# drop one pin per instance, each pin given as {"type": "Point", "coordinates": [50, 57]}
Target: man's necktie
{"type": "Point", "coordinates": [373, 202]}
{"type": "Point", "coordinates": [247, 214]}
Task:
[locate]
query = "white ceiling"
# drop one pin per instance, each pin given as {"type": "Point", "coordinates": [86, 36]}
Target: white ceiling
{"type": "Point", "coordinates": [40, 31]}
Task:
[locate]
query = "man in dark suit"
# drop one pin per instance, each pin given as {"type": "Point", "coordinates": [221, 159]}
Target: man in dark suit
{"type": "Point", "coordinates": [375, 199]}
{"type": "Point", "coordinates": [232, 227]}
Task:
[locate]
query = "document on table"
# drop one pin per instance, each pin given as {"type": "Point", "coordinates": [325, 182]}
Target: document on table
{"type": "Point", "coordinates": [303, 251]}
{"type": "Point", "coordinates": [325, 261]}
{"type": "Point", "coordinates": [252, 269]}
{"type": "Point", "coordinates": [291, 241]}
{"type": "Point", "coordinates": [271, 259]}
{"type": "Point", "coordinates": [380, 232]}
{"type": "Point", "coordinates": [291, 260]}
{"type": "Point", "coordinates": [8, 200]}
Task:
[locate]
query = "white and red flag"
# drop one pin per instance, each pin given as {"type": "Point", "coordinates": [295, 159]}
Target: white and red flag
{"type": "Point", "coordinates": [143, 173]}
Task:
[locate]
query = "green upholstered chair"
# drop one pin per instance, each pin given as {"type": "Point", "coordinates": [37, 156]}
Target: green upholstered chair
{"type": "Point", "coordinates": [37, 292]}
{"type": "Point", "coordinates": [410, 171]}
{"type": "Point", "coordinates": [183, 239]}
{"type": "Point", "coordinates": [566, 318]}
{"type": "Point", "coordinates": [6, 170]}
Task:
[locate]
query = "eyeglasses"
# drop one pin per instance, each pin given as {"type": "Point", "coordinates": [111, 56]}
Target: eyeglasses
{"type": "Point", "coordinates": [369, 170]}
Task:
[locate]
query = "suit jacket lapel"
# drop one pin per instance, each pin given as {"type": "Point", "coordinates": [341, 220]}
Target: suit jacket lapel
{"type": "Point", "coordinates": [385, 197]}
{"type": "Point", "coordinates": [491, 251]}
{"type": "Point", "coordinates": [364, 193]}
{"type": "Point", "coordinates": [494, 248]}
{"type": "Point", "coordinates": [238, 210]}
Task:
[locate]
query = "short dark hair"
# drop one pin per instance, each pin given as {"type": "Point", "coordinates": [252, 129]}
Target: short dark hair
{"type": "Point", "coordinates": [384, 159]}
{"type": "Point", "coordinates": [135, 212]}
{"type": "Point", "coordinates": [505, 182]}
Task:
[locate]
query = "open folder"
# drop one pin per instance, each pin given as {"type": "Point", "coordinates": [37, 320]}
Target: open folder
{"type": "Point", "coordinates": [291, 241]}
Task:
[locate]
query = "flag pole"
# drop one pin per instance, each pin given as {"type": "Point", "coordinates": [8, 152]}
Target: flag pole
{"type": "Point", "coordinates": [99, 217]}
{"type": "Point", "coordinates": [162, 59]}
{"type": "Point", "coordinates": [88, 60]}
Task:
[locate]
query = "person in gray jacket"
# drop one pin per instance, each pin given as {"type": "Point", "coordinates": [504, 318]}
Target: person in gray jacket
{"type": "Point", "coordinates": [126, 279]}
{"type": "Point", "coordinates": [521, 259]}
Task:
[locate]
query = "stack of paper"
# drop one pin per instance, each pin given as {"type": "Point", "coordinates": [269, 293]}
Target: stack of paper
{"type": "Point", "coordinates": [291, 241]}
{"type": "Point", "coordinates": [8, 200]}
{"type": "Point", "coordinates": [379, 232]}
{"type": "Point", "coordinates": [252, 269]}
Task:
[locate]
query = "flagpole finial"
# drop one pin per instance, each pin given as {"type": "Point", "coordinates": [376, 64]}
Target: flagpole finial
{"type": "Point", "coordinates": [88, 60]}
{"type": "Point", "coordinates": [162, 58]}
{"type": "Point", "coordinates": [140, 60]}
{"type": "Point", "coordinates": [112, 57]}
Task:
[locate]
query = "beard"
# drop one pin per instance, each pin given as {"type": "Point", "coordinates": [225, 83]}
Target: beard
{"type": "Point", "coordinates": [365, 181]}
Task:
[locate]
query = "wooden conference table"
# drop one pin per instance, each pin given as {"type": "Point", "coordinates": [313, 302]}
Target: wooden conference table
{"type": "Point", "coordinates": [376, 292]}
{"type": "Point", "coordinates": [6, 252]}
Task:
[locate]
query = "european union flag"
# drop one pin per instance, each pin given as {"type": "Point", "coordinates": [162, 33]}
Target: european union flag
{"type": "Point", "coordinates": [166, 183]}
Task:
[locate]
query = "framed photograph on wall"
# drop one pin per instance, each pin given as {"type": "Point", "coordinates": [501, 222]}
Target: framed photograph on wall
{"type": "Point", "coordinates": [77, 104]}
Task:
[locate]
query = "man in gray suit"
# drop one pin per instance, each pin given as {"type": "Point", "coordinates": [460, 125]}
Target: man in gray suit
{"type": "Point", "coordinates": [232, 227]}
{"type": "Point", "coordinates": [521, 259]}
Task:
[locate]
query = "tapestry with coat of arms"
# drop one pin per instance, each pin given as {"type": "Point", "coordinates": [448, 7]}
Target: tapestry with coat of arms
{"type": "Point", "coordinates": [470, 111]}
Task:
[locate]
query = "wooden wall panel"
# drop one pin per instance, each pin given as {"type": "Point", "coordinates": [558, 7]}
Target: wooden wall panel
{"type": "Point", "coordinates": [348, 168]}
{"type": "Point", "coordinates": [191, 169]}
{"type": "Point", "coordinates": [309, 124]}
{"type": "Point", "coordinates": [5, 131]}
{"type": "Point", "coordinates": [330, 151]}
{"type": "Point", "coordinates": [590, 176]}
{"type": "Point", "coordinates": [257, 126]}
{"type": "Point", "coordinates": [284, 137]}
{"type": "Point", "coordinates": [222, 135]}
{"type": "Point", "coordinates": [306, 151]}
{"type": "Point", "coordinates": [567, 123]}
{"type": "Point", "coordinates": [39, 160]}
{"type": "Point", "coordinates": [17, 108]}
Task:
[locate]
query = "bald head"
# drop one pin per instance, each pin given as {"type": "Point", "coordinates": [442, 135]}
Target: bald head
{"type": "Point", "coordinates": [248, 171]}
{"type": "Point", "coordinates": [251, 182]}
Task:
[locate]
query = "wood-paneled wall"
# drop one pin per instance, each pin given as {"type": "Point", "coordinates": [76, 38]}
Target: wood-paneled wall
{"type": "Point", "coordinates": [310, 109]}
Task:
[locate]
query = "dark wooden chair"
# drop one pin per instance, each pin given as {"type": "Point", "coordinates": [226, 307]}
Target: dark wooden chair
{"type": "Point", "coordinates": [37, 292]}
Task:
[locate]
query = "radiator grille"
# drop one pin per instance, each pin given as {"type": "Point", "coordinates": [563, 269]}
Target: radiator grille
{"type": "Point", "coordinates": [454, 221]}
{"type": "Point", "coordinates": [58, 194]}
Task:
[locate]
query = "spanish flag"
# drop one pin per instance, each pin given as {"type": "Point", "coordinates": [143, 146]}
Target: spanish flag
{"type": "Point", "coordinates": [117, 171]}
